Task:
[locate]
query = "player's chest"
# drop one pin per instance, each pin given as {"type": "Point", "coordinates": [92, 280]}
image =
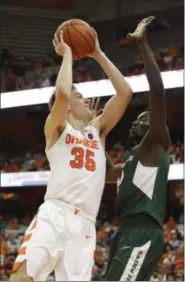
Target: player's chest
{"type": "Point", "coordinates": [85, 151]}
{"type": "Point", "coordinates": [126, 174]}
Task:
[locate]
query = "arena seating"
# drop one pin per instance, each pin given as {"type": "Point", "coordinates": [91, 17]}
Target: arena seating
{"type": "Point", "coordinates": [31, 63]}
{"type": "Point", "coordinates": [42, 72]}
{"type": "Point", "coordinates": [171, 264]}
{"type": "Point", "coordinates": [35, 161]}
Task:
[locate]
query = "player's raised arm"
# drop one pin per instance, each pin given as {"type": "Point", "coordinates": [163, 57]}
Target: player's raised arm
{"type": "Point", "coordinates": [63, 87]}
{"type": "Point", "coordinates": [116, 106]}
{"type": "Point", "coordinates": [157, 109]}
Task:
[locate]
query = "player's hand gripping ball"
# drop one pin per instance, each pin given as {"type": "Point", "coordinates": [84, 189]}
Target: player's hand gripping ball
{"type": "Point", "coordinates": [58, 43]}
{"type": "Point", "coordinates": [80, 37]}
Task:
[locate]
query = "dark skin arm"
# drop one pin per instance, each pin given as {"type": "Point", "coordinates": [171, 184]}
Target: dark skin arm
{"type": "Point", "coordinates": [158, 135]}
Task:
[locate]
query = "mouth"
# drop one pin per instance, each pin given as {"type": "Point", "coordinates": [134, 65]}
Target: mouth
{"type": "Point", "coordinates": [132, 129]}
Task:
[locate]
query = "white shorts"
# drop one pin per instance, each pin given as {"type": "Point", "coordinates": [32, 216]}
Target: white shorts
{"type": "Point", "coordinates": [60, 238]}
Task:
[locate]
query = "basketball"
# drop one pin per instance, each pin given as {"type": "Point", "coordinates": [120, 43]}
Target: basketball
{"type": "Point", "coordinates": [80, 36]}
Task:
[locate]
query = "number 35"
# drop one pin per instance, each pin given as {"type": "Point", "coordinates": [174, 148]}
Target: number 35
{"type": "Point", "coordinates": [83, 158]}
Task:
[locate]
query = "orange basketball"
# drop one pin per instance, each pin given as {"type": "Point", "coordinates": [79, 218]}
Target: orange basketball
{"type": "Point", "coordinates": [80, 36]}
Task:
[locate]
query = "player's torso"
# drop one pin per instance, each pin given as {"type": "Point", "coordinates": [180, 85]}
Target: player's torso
{"type": "Point", "coordinates": [78, 168]}
{"type": "Point", "coordinates": [142, 189]}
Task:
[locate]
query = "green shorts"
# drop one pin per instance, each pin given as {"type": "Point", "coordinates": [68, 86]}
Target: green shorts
{"type": "Point", "coordinates": [136, 250]}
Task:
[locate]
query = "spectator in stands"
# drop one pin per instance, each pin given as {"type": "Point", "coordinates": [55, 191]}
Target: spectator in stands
{"type": "Point", "coordinates": [174, 242]}
{"type": "Point", "coordinates": [167, 59]}
{"type": "Point", "coordinates": [21, 83]}
{"type": "Point", "coordinates": [45, 83]}
{"type": "Point", "coordinates": [10, 80]}
{"type": "Point", "coordinates": [6, 167]}
{"type": "Point", "coordinates": [179, 261]}
{"type": "Point", "coordinates": [37, 161]}
{"type": "Point", "coordinates": [53, 79]}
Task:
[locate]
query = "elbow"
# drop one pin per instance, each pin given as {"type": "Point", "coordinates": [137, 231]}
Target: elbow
{"type": "Point", "coordinates": [125, 94]}
{"type": "Point", "coordinates": [62, 93]}
{"type": "Point", "coordinates": [128, 92]}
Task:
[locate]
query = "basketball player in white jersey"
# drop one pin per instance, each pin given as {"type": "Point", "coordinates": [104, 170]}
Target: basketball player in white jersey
{"type": "Point", "coordinates": [62, 236]}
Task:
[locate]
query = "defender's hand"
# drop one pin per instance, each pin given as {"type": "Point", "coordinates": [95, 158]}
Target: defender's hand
{"type": "Point", "coordinates": [93, 106]}
{"type": "Point", "coordinates": [60, 46]}
{"type": "Point", "coordinates": [141, 29]}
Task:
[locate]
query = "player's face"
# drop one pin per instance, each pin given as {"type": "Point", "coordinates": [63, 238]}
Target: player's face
{"type": "Point", "coordinates": [140, 126]}
{"type": "Point", "coordinates": [79, 106]}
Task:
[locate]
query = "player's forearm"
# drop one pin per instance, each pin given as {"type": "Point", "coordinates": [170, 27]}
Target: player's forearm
{"type": "Point", "coordinates": [152, 70]}
{"type": "Point", "coordinates": [64, 79]}
{"type": "Point", "coordinates": [109, 161]}
{"type": "Point", "coordinates": [157, 103]}
{"type": "Point", "coordinates": [119, 82]}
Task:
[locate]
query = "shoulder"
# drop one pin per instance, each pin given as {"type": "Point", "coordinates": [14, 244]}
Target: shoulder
{"type": "Point", "coordinates": [49, 129]}
{"type": "Point", "coordinates": [150, 153]}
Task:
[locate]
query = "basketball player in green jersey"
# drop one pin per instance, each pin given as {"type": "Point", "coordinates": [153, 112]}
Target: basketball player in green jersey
{"type": "Point", "coordinates": [140, 203]}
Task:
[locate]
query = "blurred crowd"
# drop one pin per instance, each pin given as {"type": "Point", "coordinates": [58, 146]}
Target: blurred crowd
{"type": "Point", "coordinates": [119, 154]}
{"type": "Point", "coordinates": [167, 59]}
{"type": "Point", "coordinates": [29, 161]}
{"type": "Point", "coordinates": [37, 161]}
{"type": "Point", "coordinates": [171, 265]}
{"type": "Point", "coordinates": [177, 152]}
{"type": "Point", "coordinates": [18, 73]}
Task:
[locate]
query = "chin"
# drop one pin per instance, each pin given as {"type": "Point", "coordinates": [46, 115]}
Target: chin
{"type": "Point", "coordinates": [131, 136]}
{"type": "Point", "coordinates": [132, 133]}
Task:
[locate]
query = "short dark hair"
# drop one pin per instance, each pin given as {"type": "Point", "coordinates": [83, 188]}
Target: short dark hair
{"type": "Point", "coordinates": [52, 98]}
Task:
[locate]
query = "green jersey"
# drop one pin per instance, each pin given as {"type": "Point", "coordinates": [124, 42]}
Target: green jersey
{"type": "Point", "coordinates": [142, 189]}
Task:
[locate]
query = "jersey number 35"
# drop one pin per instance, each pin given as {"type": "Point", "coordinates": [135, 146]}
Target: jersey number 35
{"type": "Point", "coordinates": [83, 158]}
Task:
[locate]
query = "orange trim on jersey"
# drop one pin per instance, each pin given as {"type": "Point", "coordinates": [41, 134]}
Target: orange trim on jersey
{"type": "Point", "coordinates": [27, 237]}
{"type": "Point", "coordinates": [34, 224]}
{"type": "Point", "coordinates": [16, 265]}
{"type": "Point", "coordinates": [22, 251]}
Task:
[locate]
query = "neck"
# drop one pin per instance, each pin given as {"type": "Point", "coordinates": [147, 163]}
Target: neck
{"type": "Point", "coordinates": [76, 124]}
{"type": "Point", "coordinates": [133, 141]}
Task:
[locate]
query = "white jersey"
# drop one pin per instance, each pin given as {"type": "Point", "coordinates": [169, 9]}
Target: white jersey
{"type": "Point", "coordinates": [78, 168]}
